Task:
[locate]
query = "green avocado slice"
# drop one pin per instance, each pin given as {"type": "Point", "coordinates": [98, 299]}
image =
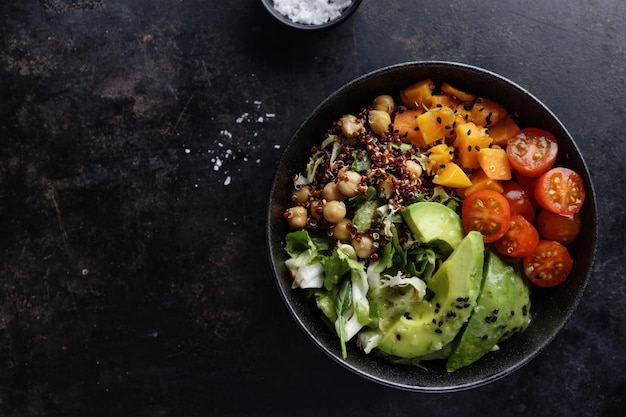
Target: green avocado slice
{"type": "Point", "coordinates": [502, 310]}
{"type": "Point", "coordinates": [435, 224]}
{"type": "Point", "coordinates": [431, 324]}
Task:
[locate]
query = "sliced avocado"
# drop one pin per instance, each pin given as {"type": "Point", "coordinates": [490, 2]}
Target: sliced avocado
{"type": "Point", "coordinates": [501, 311]}
{"type": "Point", "coordinates": [431, 324]}
{"type": "Point", "coordinates": [434, 223]}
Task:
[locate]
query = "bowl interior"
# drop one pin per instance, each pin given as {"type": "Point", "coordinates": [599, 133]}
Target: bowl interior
{"type": "Point", "coordinates": [551, 308]}
{"type": "Point", "coordinates": [269, 5]}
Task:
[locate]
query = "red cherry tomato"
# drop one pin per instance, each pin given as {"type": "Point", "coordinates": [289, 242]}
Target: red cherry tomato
{"type": "Point", "coordinates": [488, 212]}
{"type": "Point", "coordinates": [549, 264]}
{"type": "Point", "coordinates": [518, 200]}
{"type": "Point", "coordinates": [520, 240]}
{"type": "Point", "coordinates": [561, 191]}
{"type": "Point", "coordinates": [563, 229]}
{"type": "Point", "coordinates": [532, 151]}
{"type": "Point", "coordinates": [528, 185]}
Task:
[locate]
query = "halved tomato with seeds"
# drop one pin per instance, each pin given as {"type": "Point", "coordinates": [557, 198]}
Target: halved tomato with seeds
{"type": "Point", "coordinates": [532, 151]}
{"type": "Point", "coordinates": [549, 264]}
{"type": "Point", "coordinates": [561, 191]}
{"type": "Point", "coordinates": [487, 212]}
{"type": "Point", "coordinates": [520, 240]}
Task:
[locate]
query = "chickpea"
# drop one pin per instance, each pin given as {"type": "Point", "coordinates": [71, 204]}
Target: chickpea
{"type": "Point", "coordinates": [349, 183]}
{"type": "Point", "coordinates": [341, 230]}
{"type": "Point", "coordinates": [379, 121]}
{"type": "Point", "coordinates": [316, 208]}
{"type": "Point", "coordinates": [331, 193]}
{"type": "Point", "coordinates": [384, 102]}
{"type": "Point", "coordinates": [334, 211]}
{"type": "Point", "coordinates": [351, 125]}
{"type": "Point", "coordinates": [414, 168]}
{"type": "Point", "coordinates": [385, 188]}
{"type": "Point", "coordinates": [363, 246]}
{"type": "Point", "coordinates": [301, 195]}
{"type": "Point", "coordinates": [296, 217]}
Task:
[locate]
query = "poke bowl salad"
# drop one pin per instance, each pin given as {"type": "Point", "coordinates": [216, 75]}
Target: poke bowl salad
{"type": "Point", "coordinates": [426, 224]}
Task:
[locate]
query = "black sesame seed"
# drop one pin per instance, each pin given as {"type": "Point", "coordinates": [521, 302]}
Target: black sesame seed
{"type": "Point", "coordinates": [439, 120]}
{"type": "Point", "coordinates": [512, 312]}
{"type": "Point", "coordinates": [469, 132]}
{"type": "Point", "coordinates": [434, 321]}
{"type": "Point", "coordinates": [477, 148]}
{"type": "Point", "coordinates": [438, 331]}
{"type": "Point", "coordinates": [440, 323]}
{"type": "Point", "coordinates": [496, 311]}
{"type": "Point", "coordinates": [485, 337]}
{"type": "Point", "coordinates": [407, 316]}
{"type": "Point", "coordinates": [488, 319]}
{"type": "Point", "coordinates": [466, 305]}
{"type": "Point", "coordinates": [460, 299]}
{"type": "Point", "coordinates": [469, 148]}
{"type": "Point", "coordinates": [398, 336]}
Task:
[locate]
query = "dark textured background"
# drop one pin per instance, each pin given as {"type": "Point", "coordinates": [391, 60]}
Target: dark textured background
{"type": "Point", "coordinates": [137, 145]}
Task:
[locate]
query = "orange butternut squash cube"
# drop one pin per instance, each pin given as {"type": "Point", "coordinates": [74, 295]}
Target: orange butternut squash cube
{"type": "Point", "coordinates": [495, 163]}
{"type": "Point", "coordinates": [405, 125]}
{"type": "Point", "coordinates": [436, 124]}
{"type": "Point", "coordinates": [487, 112]}
{"type": "Point", "coordinates": [438, 156]}
{"type": "Point", "coordinates": [470, 139]}
{"type": "Point", "coordinates": [452, 175]}
{"type": "Point", "coordinates": [480, 181]}
{"type": "Point", "coordinates": [455, 92]}
{"type": "Point", "coordinates": [439, 100]}
{"type": "Point", "coordinates": [417, 94]}
{"type": "Point", "coordinates": [504, 130]}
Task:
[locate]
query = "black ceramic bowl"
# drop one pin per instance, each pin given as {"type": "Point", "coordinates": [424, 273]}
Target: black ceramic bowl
{"type": "Point", "coordinates": [551, 307]}
{"type": "Point", "coordinates": [347, 12]}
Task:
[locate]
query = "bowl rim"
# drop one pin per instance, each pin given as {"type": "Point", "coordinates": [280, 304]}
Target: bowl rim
{"type": "Point", "coordinates": [345, 14]}
{"type": "Point", "coordinates": [591, 203]}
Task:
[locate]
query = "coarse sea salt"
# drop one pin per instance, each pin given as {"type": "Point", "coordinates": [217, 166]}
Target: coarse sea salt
{"type": "Point", "coordinates": [311, 12]}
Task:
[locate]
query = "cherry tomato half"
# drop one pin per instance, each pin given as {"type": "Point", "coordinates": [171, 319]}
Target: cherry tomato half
{"type": "Point", "coordinates": [563, 229]}
{"type": "Point", "coordinates": [528, 185]}
{"type": "Point", "coordinates": [561, 191]}
{"type": "Point", "coordinates": [549, 264]}
{"type": "Point", "coordinates": [488, 212]}
{"type": "Point", "coordinates": [532, 151]}
{"type": "Point", "coordinates": [518, 200]}
{"type": "Point", "coordinates": [520, 240]}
